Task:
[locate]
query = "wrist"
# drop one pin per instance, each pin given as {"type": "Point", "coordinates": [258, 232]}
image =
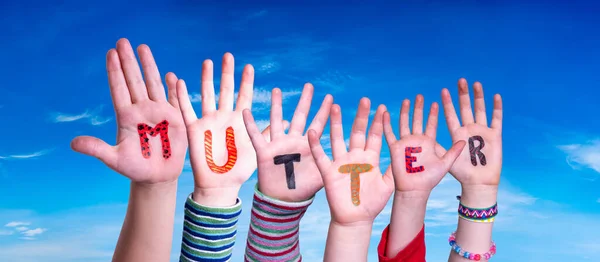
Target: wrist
{"type": "Point", "coordinates": [479, 196]}
{"type": "Point", "coordinates": [351, 233]}
{"type": "Point", "coordinates": [154, 188]}
{"type": "Point", "coordinates": [412, 195]}
{"type": "Point", "coordinates": [216, 197]}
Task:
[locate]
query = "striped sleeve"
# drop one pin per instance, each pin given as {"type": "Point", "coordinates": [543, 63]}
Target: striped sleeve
{"type": "Point", "coordinates": [209, 232]}
{"type": "Point", "coordinates": [274, 224]}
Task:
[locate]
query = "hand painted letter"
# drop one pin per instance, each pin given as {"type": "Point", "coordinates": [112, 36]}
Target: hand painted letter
{"type": "Point", "coordinates": [354, 170]}
{"type": "Point", "coordinates": [163, 129]}
{"type": "Point", "coordinates": [476, 150]}
{"type": "Point", "coordinates": [288, 160]}
{"type": "Point", "coordinates": [409, 159]}
{"type": "Point", "coordinates": [231, 151]}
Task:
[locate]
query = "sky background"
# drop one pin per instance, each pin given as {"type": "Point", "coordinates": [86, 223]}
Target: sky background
{"type": "Point", "coordinates": [57, 205]}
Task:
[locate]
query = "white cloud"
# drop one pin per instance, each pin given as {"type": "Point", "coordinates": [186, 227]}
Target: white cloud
{"type": "Point", "coordinates": [17, 224]}
{"type": "Point", "coordinates": [583, 155]}
{"type": "Point", "coordinates": [80, 234]}
{"type": "Point", "coordinates": [26, 156]}
{"type": "Point", "coordinates": [59, 117]}
{"type": "Point", "coordinates": [5, 232]}
{"type": "Point", "coordinates": [333, 81]}
{"type": "Point", "coordinates": [195, 97]}
{"type": "Point", "coordinates": [21, 228]}
{"type": "Point", "coordinates": [98, 121]}
{"type": "Point", "coordinates": [34, 232]}
{"type": "Point", "coordinates": [262, 124]}
{"type": "Point", "coordinates": [325, 141]}
{"type": "Point", "coordinates": [261, 98]}
{"type": "Point", "coordinates": [268, 67]}
{"type": "Point", "coordinates": [93, 116]}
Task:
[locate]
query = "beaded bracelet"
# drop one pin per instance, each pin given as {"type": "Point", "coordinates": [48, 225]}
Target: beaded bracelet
{"type": "Point", "coordinates": [468, 255]}
{"type": "Point", "coordinates": [484, 215]}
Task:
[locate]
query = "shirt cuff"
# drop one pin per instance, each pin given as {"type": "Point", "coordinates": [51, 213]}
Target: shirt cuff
{"type": "Point", "coordinates": [274, 224]}
{"type": "Point", "coordinates": [209, 232]}
{"type": "Point", "coordinates": [413, 252]}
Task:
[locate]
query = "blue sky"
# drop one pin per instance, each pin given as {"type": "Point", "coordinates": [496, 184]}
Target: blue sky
{"type": "Point", "coordinates": [543, 58]}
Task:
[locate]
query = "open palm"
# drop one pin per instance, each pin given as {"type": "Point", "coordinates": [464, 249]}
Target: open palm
{"type": "Point", "coordinates": [429, 163]}
{"type": "Point", "coordinates": [216, 163]}
{"type": "Point", "coordinates": [373, 189]}
{"type": "Point", "coordinates": [475, 168]}
{"type": "Point", "coordinates": [137, 103]}
{"type": "Point", "coordinates": [273, 180]}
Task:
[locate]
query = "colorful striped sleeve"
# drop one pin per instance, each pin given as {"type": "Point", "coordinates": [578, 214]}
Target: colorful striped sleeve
{"type": "Point", "coordinates": [274, 224]}
{"type": "Point", "coordinates": [209, 232]}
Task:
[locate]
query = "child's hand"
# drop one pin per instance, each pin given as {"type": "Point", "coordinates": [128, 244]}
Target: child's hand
{"type": "Point", "coordinates": [418, 163]}
{"type": "Point", "coordinates": [286, 168]}
{"type": "Point", "coordinates": [355, 188]}
{"type": "Point", "coordinates": [221, 154]}
{"type": "Point", "coordinates": [151, 142]}
{"type": "Point", "coordinates": [480, 163]}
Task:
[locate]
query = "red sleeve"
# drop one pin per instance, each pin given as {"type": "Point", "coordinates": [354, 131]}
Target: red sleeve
{"type": "Point", "coordinates": [414, 252]}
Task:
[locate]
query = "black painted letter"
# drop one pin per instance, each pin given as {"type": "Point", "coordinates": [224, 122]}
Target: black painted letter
{"type": "Point", "coordinates": [288, 161]}
{"type": "Point", "coordinates": [476, 150]}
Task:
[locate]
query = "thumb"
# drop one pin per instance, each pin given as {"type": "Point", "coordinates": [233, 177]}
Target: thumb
{"type": "Point", "coordinates": [95, 147]}
{"type": "Point", "coordinates": [452, 154]}
{"type": "Point", "coordinates": [267, 131]}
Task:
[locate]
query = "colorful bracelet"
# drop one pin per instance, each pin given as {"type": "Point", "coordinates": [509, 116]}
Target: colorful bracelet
{"type": "Point", "coordinates": [468, 255]}
{"type": "Point", "coordinates": [482, 215]}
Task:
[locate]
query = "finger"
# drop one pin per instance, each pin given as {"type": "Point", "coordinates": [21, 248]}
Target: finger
{"type": "Point", "coordinates": [464, 101]}
{"type": "Point", "coordinates": [480, 115]}
{"type": "Point", "coordinates": [497, 114]}
{"type": "Point", "coordinates": [131, 69]}
{"type": "Point", "coordinates": [97, 148]}
{"type": "Point", "coordinates": [276, 114]}
{"type": "Point", "coordinates": [321, 159]}
{"type": "Point", "coordinates": [258, 141]}
{"type": "Point", "coordinates": [404, 128]}
{"type": "Point", "coordinates": [227, 83]}
{"type": "Point", "coordinates": [156, 90]}
{"type": "Point", "coordinates": [338, 146]}
{"type": "Point", "coordinates": [320, 120]}
{"type": "Point", "coordinates": [244, 100]}
{"type": "Point", "coordinates": [185, 105]}
{"type": "Point", "coordinates": [359, 127]}
{"type": "Point", "coordinates": [417, 126]}
{"type": "Point", "coordinates": [390, 137]}
{"type": "Point", "coordinates": [375, 132]}
{"type": "Point", "coordinates": [452, 154]}
{"type": "Point", "coordinates": [266, 133]}
{"type": "Point", "coordinates": [208, 88]}
{"type": "Point", "coordinates": [449, 112]}
{"type": "Point", "coordinates": [171, 80]}
{"type": "Point", "coordinates": [432, 121]}
{"type": "Point", "coordinates": [301, 113]}
{"type": "Point", "coordinates": [116, 80]}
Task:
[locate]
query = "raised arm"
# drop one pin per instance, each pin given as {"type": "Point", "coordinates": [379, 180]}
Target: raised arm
{"type": "Point", "coordinates": [222, 159]}
{"type": "Point", "coordinates": [418, 165]}
{"type": "Point", "coordinates": [150, 150]}
{"type": "Point", "coordinates": [355, 188]}
{"type": "Point", "coordinates": [478, 170]}
{"type": "Point", "coordinates": [288, 179]}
